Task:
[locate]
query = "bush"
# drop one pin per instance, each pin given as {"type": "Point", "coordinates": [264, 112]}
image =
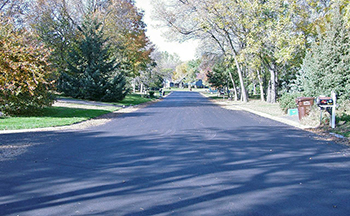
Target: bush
{"type": "Point", "coordinates": [287, 101]}
{"type": "Point", "coordinates": [24, 72]}
{"type": "Point", "coordinates": [151, 93]}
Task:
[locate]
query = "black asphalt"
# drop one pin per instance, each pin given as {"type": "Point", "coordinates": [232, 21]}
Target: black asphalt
{"type": "Point", "coordinates": [181, 156]}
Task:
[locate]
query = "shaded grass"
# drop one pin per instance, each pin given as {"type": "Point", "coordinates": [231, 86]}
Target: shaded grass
{"type": "Point", "coordinates": [133, 99]}
{"type": "Point", "coordinates": [50, 117]}
{"type": "Point", "coordinates": [130, 99]}
{"type": "Point", "coordinates": [343, 130]}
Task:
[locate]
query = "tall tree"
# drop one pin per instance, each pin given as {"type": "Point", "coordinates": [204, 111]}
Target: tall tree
{"type": "Point", "coordinates": [92, 72]}
{"type": "Point", "coordinates": [127, 32]}
{"type": "Point", "coordinates": [166, 64]}
{"type": "Point", "coordinates": [52, 20]}
{"type": "Point", "coordinates": [326, 66]}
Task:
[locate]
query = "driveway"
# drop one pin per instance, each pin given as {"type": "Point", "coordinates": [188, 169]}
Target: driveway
{"type": "Point", "coordinates": [180, 156]}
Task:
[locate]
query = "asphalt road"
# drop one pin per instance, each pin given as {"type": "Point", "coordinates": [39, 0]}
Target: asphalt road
{"type": "Point", "coordinates": [181, 156]}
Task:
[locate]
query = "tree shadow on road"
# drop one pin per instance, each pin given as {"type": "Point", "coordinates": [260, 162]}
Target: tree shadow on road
{"type": "Point", "coordinates": [207, 171]}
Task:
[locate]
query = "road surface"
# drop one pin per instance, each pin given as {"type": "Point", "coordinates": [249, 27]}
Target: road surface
{"type": "Point", "coordinates": [181, 156]}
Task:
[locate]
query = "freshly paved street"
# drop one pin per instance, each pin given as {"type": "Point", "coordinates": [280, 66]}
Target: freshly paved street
{"type": "Point", "coordinates": [180, 156]}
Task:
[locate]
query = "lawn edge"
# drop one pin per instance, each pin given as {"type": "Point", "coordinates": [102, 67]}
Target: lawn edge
{"type": "Point", "coordinates": [99, 120]}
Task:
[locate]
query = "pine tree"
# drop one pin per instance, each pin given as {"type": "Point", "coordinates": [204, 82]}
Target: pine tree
{"type": "Point", "coordinates": [326, 66]}
{"type": "Point", "coordinates": [91, 73]}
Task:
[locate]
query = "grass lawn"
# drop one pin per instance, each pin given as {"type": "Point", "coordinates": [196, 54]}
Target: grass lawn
{"type": "Point", "coordinates": [52, 116]}
{"type": "Point", "coordinates": [66, 114]}
{"type": "Point", "coordinates": [134, 99]}
{"type": "Point", "coordinates": [130, 99]}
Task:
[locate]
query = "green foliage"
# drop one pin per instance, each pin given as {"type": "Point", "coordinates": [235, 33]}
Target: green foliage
{"type": "Point", "coordinates": [326, 66]}
{"type": "Point", "coordinates": [287, 101]}
{"type": "Point", "coordinates": [55, 28]}
{"type": "Point", "coordinates": [151, 93]}
{"type": "Point", "coordinates": [152, 79]}
{"type": "Point", "coordinates": [24, 72]}
{"type": "Point", "coordinates": [218, 77]}
{"type": "Point", "coordinates": [92, 73]}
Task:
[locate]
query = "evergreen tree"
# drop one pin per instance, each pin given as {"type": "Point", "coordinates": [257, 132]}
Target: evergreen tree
{"type": "Point", "coordinates": [218, 77]}
{"type": "Point", "coordinates": [91, 73]}
{"type": "Point", "coordinates": [326, 66]}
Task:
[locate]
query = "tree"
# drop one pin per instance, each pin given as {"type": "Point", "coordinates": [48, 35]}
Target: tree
{"type": "Point", "coordinates": [127, 32]}
{"type": "Point", "coordinates": [25, 73]}
{"type": "Point", "coordinates": [165, 63]}
{"type": "Point", "coordinates": [217, 77]}
{"type": "Point", "coordinates": [326, 66]}
{"type": "Point", "coordinates": [52, 21]}
{"type": "Point", "coordinates": [15, 10]}
{"type": "Point", "coordinates": [92, 73]}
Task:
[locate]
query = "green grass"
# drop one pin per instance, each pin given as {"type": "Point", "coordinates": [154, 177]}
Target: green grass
{"type": "Point", "coordinates": [133, 99]}
{"type": "Point", "coordinates": [67, 115]}
{"type": "Point", "coordinates": [343, 130]}
{"type": "Point", "coordinates": [49, 117]}
{"type": "Point", "coordinates": [130, 99]}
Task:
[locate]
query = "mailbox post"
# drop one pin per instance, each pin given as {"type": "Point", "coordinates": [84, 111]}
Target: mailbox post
{"type": "Point", "coordinates": [328, 104]}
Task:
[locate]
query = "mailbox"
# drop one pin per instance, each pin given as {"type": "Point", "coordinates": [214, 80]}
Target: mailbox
{"type": "Point", "coordinates": [328, 104]}
{"type": "Point", "coordinates": [324, 102]}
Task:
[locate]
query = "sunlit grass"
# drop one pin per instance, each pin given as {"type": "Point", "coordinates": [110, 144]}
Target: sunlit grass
{"type": "Point", "coordinates": [133, 99]}
{"type": "Point", "coordinates": [50, 117]}
{"type": "Point", "coordinates": [66, 114]}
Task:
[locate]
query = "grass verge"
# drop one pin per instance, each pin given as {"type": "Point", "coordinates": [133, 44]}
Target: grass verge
{"type": "Point", "coordinates": [342, 128]}
{"type": "Point", "coordinates": [133, 99]}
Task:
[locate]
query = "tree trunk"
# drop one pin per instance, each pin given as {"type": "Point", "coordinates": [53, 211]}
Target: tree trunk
{"type": "Point", "coordinates": [273, 93]}
{"type": "Point", "coordinates": [134, 85]}
{"type": "Point", "coordinates": [254, 88]}
{"type": "Point", "coordinates": [268, 98]}
{"type": "Point", "coordinates": [234, 86]}
{"type": "Point", "coordinates": [244, 96]}
{"type": "Point", "coordinates": [141, 88]}
{"type": "Point", "coordinates": [261, 86]}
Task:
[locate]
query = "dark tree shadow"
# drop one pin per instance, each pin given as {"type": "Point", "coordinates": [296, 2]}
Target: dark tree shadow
{"type": "Point", "coordinates": [237, 166]}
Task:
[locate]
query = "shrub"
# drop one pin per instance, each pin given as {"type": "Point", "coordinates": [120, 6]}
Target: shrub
{"type": "Point", "coordinates": [24, 72]}
{"type": "Point", "coordinates": [287, 101]}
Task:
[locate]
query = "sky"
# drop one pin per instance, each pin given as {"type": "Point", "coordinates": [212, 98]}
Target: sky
{"type": "Point", "coordinates": [185, 50]}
